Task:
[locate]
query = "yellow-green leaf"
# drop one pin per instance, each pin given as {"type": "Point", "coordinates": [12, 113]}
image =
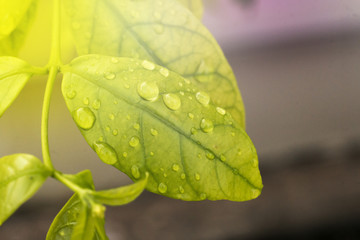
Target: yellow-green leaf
{"type": "Point", "coordinates": [163, 32]}
{"type": "Point", "coordinates": [196, 6]}
{"type": "Point", "coordinates": [14, 74]}
{"type": "Point", "coordinates": [141, 117]}
{"type": "Point", "coordinates": [21, 175]}
{"type": "Point", "coordinates": [16, 17]}
{"type": "Point", "coordinates": [76, 216]}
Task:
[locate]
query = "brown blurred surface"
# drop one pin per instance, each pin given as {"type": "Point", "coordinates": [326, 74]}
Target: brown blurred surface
{"type": "Point", "coordinates": [314, 196]}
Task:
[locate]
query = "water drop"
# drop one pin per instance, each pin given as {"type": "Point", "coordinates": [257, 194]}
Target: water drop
{"type": "Point", "coordinates": [206, 125]}
{"type": "Point", "coordinates": [136, 126]}
{"type": "Point", "coordinates": [221, 111]}
{"type": "Point", "coordinates": [235, 171]}
{"type": "Point", "coordinates": [148, 65]}
{"type": "Point", "coordinates": [222, 158]}
{"type": "Point", "coordinates": [105, 152]}
{"type": "Point", "coordinates": [203, 98]}
{"type": "Point", "coordinates": [111, 116]}
{"type": "Point", "coordinates": [164, 72]}
{"type": "Point", "coordinates": [127, 86]}
{"type": "Point", "coordinates": [210, 155]}
{"type": "Point", "coordinates": [96, 104]}
{"type": "Point", "coordinates": [202, 196]}
{"type": "Point", "coordinates": [183, 176]}
{"type": "Point", "coordinates": [84, 118]}
{"type": "Point", "coordinates": [193, 131]}
{"type": "Point", "coordinates": [116, 102]}
{"type": "Point", "coordinates": [86, 101]}
{"type": "Point", "coordinates": [154, 132]}
{"type": "Point", "coordinates": [71, 94]}
{"type": "Point", "coordinates": [191, 116]}
{"type": "Point", "coordinates": [172, 101]}
{"type": "Point", "coordinates": [115, 132]}
{"type": "Point", "coordinates": [180, 84]}
{"type": "Point", "coordinates": [110, 76]}
{"type": "Point", "coordinates": [254, 163]}
{"type": "Point", "coordinates": [134, 141]}
{"type": "Point", "coordinates": [107, 128]}
{"type": "Point", "coordinates": [125, 154]}
{"type": "Point", "coordinates": [182, 93]}
{"type": "Point", "coordinates": [148, 91]}
{"type": "Point", "coordinates": [175, 167]}
{"type": "Point", "coordinates": [197, 177]}
{"type": "Point", "coordinates": [233, 134]}
{"type": "Point", "coordinates": [152, 153]}
{"type": "Point", "coordinates": [181, 189]}
{"type": "Point", "coordinates": [165, 175]}
{"type": "Point", "coordinates": [101, 139]}
{"type": "Point", "coordinates": [135, 172]}
{"type": "Point", "coordinates": [162, 188]}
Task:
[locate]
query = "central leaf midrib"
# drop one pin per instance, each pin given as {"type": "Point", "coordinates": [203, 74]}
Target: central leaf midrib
{"type": "Point", "coordinates": [159, 118]}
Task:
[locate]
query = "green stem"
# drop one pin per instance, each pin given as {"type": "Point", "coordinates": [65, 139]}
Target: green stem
{"type": "Point", "coordinates": [75, 188]}
{"type": "Point", "coordinates": [54, 65]}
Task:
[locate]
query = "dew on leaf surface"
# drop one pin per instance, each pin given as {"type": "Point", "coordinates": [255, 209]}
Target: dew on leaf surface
{"type": "Point", "coordinates": [203, 98]}
{"type": "Point", "coordinates": [164, 72]}
{"type": "Point", "coordinates": [134, 141]}
{"type": "Point", "coordinates": [172, 101]}
{"type": "Point", "coordinates": [135, 171]}
{"type": "Point", "coordinates": [206, 125]}
{"type": "Point", "coordinates": [148, 91]}
{"type": "Point", "coordinates": [96, 104]}
{"type": "Point", "coordinates": [84, 118]}
{"type": "Point", "coordinates": [105, 152]}
{"type": "Point", "coordinates": [162, 188]}
{"type": "Point", "coordinates": [148, 65]}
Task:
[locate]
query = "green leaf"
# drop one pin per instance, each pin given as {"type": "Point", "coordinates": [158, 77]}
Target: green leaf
{"type": "Point", "coordinates": [76, 221]}
{"type": "Point", "coordinates": [21, 175]}
{"type": "Point", "coordinates": [196, 6]}
{"type": "Point", "coordinates": [14, 74]}
{"type": "Point", "coordinates": [122, 195]}
{"type": "Point", "coordinates": [16, 17]}
{"type": "Point", "coordinates": [83, 179]}
{"type": "Point", "coordinates": [163, 32]}
{"type": "Point", "coordinates": [140, 117]}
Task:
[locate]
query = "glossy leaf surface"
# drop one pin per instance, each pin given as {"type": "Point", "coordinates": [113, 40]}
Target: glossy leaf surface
{"type": "Point", "coordinates": [196, 6]}
{"type": "Point", "coordinates": [21, 175]}
{"type": "Point", "coordinates": [140, 117]}
{"type": "Point", "coordinates": [163, 32]}
{"type": "Point", "coordinates": [15, 18]}
{"type": "Point", "coordinates": [14, 74]}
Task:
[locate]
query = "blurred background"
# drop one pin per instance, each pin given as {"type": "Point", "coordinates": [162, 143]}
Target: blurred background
{"type": "Point", "coordinates": [298, 68]}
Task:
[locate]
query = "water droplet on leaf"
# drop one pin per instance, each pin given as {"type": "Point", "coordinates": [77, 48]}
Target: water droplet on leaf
{"type": "Point", "coordinates": [105, 152]}
{"type": "Point", "coordinates": [148, 65]}
{"type": "Point", "coordinates": [148, 91]}
{"type": "Point", "coordinates": [197, 177]}
{"type": "Point", "coordinates": [96, 104]}
{"type": "Point", "coordinates": [221, 111]}
{"type": "Point", "coordinates": [71, 94]}
{"type": "Point", "coordinates": [110, 76]}
{"type": "Point", "coordinates": [175, 167]}
{"type": "Point", "coordinates": [164, 72]}
{"type": "Point", "coordinates": [154, 132]}
{"type": "Point", "coordinates": [206, 125]}
{"type": "Point", "coordinates": [84, 118]}
{"type": "Point", "coordinates": [210, 155]}
{"type": "Point", "coordinates": [203, 98]}
{"type": "Point", "coordinates": [172, 101]}
{"type": "Point", "coordinates": [134, 141]}
{"type": "Point", "coordinates": [162, 188]}
{"type": "Point", "coordinates": [135, 172]}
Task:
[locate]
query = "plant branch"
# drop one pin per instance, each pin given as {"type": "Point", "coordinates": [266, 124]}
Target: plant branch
{"type": "Point", "coordinates": [54, 65]}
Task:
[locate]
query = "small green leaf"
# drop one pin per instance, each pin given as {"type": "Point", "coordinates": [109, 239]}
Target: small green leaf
{"type": "Point", "coordinates": [21, 175]}
{"type": "Point", "coordinates": [75, 220]}
{"type": "Point", "coordinates": [196, 6]}
{"type": "Point", "coordinates": [83, 179]}
{"type": "Point", "coordinates": [16, 17]}
{"type": "Point", "coordinates": [122, 195]}
{"type": "Point", "coordinates": [162, 32]}
{"type": "Point", "coordinates": [14, 74]}
{"type": "Point", "coordinates": [140, 117]}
